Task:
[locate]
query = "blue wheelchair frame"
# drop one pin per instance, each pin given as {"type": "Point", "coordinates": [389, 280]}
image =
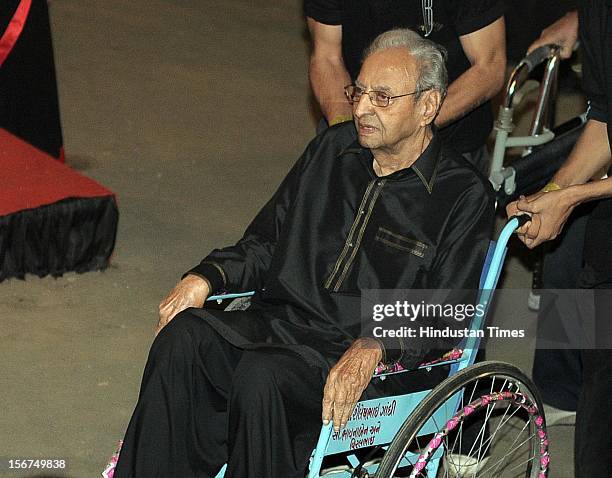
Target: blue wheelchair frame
{"type": "Point", "coordinates": [376, 422]}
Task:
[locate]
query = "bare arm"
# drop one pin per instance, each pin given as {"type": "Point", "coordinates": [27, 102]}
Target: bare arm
{"type": "Point", "coordinates": [486, 51]}
{"type": "Point", "coordinates": [328, 75]}
{"type": "Point", "coordinates": [590, 155]}
{"type": "Point", "coordinates": [549, 211]}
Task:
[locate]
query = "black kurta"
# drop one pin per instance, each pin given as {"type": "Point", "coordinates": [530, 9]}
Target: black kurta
{"type": "Point", "coordinates": [239, 393]}
{"type": "Point", "coordinates": [333, 229]}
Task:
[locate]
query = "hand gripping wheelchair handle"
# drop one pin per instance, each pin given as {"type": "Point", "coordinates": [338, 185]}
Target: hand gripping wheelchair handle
{"type": "Point", "coordinates": [522, 219]}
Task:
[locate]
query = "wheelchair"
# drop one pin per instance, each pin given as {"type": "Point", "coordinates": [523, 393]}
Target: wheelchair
{"type": "Point", "coordinates": [421, 434]}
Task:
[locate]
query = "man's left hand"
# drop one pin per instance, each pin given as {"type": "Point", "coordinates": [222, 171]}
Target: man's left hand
{"type": "Point", "coordinates": [348, 379]}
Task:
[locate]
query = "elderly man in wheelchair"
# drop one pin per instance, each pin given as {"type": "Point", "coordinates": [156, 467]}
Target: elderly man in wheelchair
{"type": "Point", "coordinates": [378, 203]}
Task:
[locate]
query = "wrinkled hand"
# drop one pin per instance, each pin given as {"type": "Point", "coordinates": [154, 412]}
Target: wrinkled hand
{"type": "Point", "coordinates": [564, 32]}
{"type": "Point", "coordinates": [192, 291]}
{"type": "Point", "coordinates": [548, 211]}
{"type": "Point", "coordinates": [348, 379]}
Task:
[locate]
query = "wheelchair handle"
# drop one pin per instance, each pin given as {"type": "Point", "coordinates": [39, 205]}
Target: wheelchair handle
{"type": "Point", "coordinates": [522, 219]}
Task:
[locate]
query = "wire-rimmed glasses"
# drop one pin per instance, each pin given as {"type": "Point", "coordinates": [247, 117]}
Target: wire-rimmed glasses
{"type": "Point", "coordinates": [378, 98]}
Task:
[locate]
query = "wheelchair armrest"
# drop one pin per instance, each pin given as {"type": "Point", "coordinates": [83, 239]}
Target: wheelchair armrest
{"type": "Point", "coordinates": [454, 356]}
{"type": "Point", "coordinates": [221, 297]}
{"type": "Point", "coordinates": [451, 357]}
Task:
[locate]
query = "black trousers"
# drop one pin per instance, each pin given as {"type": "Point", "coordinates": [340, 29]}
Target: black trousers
{"type": "Point", "coordinates": [593, 440]}
{"type": "Point", "coordinates": [594, 415]}
{"type": "Point", "coordinates": [204, 402]}
{"type": "Point", "coordinates": [558, 372]}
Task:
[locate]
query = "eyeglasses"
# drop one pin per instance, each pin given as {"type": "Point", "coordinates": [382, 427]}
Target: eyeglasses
{"type": "Point", "coordinates": [378, 98]}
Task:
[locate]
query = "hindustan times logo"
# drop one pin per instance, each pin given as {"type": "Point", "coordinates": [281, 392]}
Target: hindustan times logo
{"type": "Point", "coordinates": [447, 332]}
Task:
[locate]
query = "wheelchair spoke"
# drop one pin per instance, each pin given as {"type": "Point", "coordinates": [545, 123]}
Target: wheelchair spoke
{"type": "Point", "coordinates": [471, 399]}
{"type": "Point", "coordinates": [520, 432]}
{"type": "Point", "coordinates": [474, 388]}
{"type": "Point", "coordinates": [481, 432]}
{"type": "Point", "coordinates": [480, 453]}
{"type": "Point", "coordinates": [501, 423]}
{"type": "Point", "coordinates": [485, 445]}
{"type": "Point", "coordinates": [504, 405]}
{"type": "Point", "coordinates": [517, 447]}
{"type": "Point", "coordinates": [500, 461]}
{"type": "Point", "coordinates": [495, 473]}
{"type": "Point", "coordinates": [410, 462]}
{"type": "Point", "coordinates": [520, 465]}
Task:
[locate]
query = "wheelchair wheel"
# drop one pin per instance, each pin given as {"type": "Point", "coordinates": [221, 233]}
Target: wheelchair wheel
{"type": "Point", "coordinates": [507, 438]}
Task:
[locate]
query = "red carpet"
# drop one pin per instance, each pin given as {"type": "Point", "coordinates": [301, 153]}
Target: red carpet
{"type": "Point", "coordinates": [52, 219]}
{"type": "Point", "coordinates": [30, 178]}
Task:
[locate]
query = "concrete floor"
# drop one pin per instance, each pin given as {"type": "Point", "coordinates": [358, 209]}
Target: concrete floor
{"type": "Point", "coordinates": [191, 112]}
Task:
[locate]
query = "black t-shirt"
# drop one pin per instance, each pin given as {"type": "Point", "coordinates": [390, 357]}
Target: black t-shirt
{"type": "Point", "coordinates": [364, 20]}
{"type": "Point", "coordinates": [595, 19]}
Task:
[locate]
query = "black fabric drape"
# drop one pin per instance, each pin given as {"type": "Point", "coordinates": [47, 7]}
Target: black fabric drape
{"type": "Point", "coordinates": [76, 234]}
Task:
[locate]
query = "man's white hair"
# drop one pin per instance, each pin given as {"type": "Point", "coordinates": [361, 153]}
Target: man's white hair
{"type": "Point", "coordinates": [431, 57]}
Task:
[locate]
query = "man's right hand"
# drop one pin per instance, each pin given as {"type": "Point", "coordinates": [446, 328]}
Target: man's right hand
{"type": "Point", "coordinates": [564, 32]}
{"type": "Point", "coordinates": [192, 291]}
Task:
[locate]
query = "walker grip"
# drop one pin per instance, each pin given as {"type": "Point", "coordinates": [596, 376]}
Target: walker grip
{"type": "Point", "coordinates": [539, 55]}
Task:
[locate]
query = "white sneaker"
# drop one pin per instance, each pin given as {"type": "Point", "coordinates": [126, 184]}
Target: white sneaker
{"type": "Point", "coordinates": [463, 466]}
{"type": "Point", "coordinates": [533, 301]}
